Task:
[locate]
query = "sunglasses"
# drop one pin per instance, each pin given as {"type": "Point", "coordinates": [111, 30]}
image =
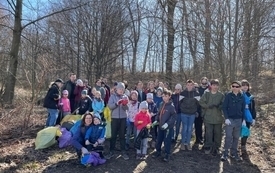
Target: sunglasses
{"type": "Point", "coordinates": [234, 86]}
{"type": "Point", "coordinates": [204, 83]}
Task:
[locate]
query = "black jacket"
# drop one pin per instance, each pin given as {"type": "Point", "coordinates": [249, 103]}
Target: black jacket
{"type": "Point", "coordinates": [142, 97]}
{"type": "Point", "coordinates": [189, 104]}
{"type": "Point", "coordinates": [51, 99]}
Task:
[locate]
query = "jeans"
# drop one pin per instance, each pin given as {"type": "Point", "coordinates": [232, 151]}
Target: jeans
{"type": "Point", "coordinates": [232, 135]}
{"type": "Point", "coordinates": [213, 131]}
{"type": "Point", "coordinates": [143, 147]}
{"type": "Point", "coordinates": [52, 116]}
{"type": "Point", "coordinates": [178, 123]}
{"type": "Point", "coordinates": [187, 126]}
{"type": "Point", "coordinates": [166, 137]}
{"type": "Point", "coordinates": [131, 128]}
{"type": "Point", "coordinates": [118, 126]}
{"type": "Point", "coordinates": [198, 128]}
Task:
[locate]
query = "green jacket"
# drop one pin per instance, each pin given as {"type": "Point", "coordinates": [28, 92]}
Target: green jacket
{"type": "Point", "coordinates": [212, 115]}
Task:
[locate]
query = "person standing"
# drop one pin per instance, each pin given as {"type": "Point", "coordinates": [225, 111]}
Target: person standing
{"type": "Point", "coordinates": [175, 99]}
{"type": "Point", "coordinates": [99, 88]}
{"type": "Point", "coordinates": [118, 103]}
{"type": "Point", "coordinates": [199, 120]}
{"type": "Point", "coordinates": [233, 110]}
{"type": "Point", "coordinates": [70, 86]}
{"type": "Point", "coordinates": [250, 106]}
{"type": "Point", "coordinates": [188, 107]}
{"type": "Point", "coordinates": [211, 103]}
{"type": "Point", "coordinates": [141, 93]}
{"type": "Point", "coordinates": [51, 102]}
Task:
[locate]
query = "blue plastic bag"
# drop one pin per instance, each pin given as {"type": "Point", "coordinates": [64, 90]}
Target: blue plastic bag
{"type": "Point", "coordinates": [245, 132]}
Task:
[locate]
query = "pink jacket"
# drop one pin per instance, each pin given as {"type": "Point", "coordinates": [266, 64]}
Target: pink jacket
{"type": "Point", "coordinates": [66, 104]}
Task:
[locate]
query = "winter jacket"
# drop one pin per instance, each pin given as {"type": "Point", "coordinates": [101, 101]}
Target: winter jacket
{"type": "Point", "coordinates": [189, 104]}
{"type": "Point", "coordinates": [176, 102]}
{"type": "Point", "coordinates": [66, 107]}
{"type": "Point", "coordinates": [98, 105]}
{"type": "Point", "coordinates": [85, 105]}
{"type": "Point", "coordinates": [152, 107]}
{"type": "Point", "coordinates": [233, 106]}
{"type": "Point", "coordinates": [51, 99]}
{"type": "Point", "coordinates": [141, 96]}
{"type": "Point", "coordinates": [78, 140]}
{"type": "Point", "coordinates": [157, 100]}
{"type": "Point", "coordinates": [101, 90]}
{"type": "Point", "coordinates": [251, 106]}
{"type": "Point", "coordinates": [69, 86]}
{"type": "Point", "coordinates": [133, 110]}
{"type": "Point", "coordinates": [144, 117]}
{"type": "Point", "coordinates": [77, 92]}
{"type": "Point", "coordinates": [117, 111]}
{"type": "Point", "coordinates": [95, 132]}
{"type": "Point", "coordinates": [202, 90]}
{"type": "Point", "coordinates": [212, 115]}
{"type": "Point", "coordinates": [166, 114]}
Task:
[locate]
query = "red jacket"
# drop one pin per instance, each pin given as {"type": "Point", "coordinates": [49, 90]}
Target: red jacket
{"type": "Point", "coordinates": [77, 92]}
{"type": "Point", "coordinates": [145, 117]}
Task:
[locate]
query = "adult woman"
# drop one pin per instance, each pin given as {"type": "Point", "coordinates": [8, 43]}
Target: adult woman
{"type": "Point", "coordinates": [78, 140]}
{"type": "Point", "coordinates": [250, 105]}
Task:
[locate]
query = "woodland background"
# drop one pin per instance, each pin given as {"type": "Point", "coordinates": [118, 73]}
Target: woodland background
{"type": "Point", "coordinates": [172, 40]}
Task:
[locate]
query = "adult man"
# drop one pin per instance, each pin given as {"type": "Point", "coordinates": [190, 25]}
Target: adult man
{"type": "Point", "coordinates": [141, 93]}
{"type": "Point", "coordinates": [51, 102]}
{"type": "Point", "coordinates": [70, 86]}
{"type": "Point", "coordinates": [211, 103]}
{"type": "Point", "coordinates": [233, 110]}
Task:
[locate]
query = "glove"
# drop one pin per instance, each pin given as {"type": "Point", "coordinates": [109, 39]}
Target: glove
{"type": "Point", "coordinates": [246, 106]}
{"type": "Point", "coordinates": [84, 150]}
{"type": "Point", "coordinates": [196, 114]}
{"type": "Point", "coordinates": [152, 114]}
{"type": "Point", "coordinates": [95, 144]}
{"type": "Point", "coordinates": [227, 122]}
{"type": "Point", "coordinates": [87, 142]}
{"type": "Point", "coordinates": [124, 102]}
{"type": "Point", "coordinates": [148, 126]}
{"type": "Point", "coordinates": [243, 123]}
{"type": "Point", "coordinates": [164, 126]}
{"type": "Point", "coordinates": [140, 122]}
{"type": "Point", "coordinates": [253, 122]}
{"type": "Point", "coordinates": [77, 111]}
{"type": "Point", "coordinates": [120, 102]}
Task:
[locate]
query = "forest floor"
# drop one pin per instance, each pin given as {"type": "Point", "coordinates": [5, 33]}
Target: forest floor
{"type": "Point", "coordinates": [17, 153]}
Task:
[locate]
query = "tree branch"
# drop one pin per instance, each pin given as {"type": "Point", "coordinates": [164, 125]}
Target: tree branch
{"type": "Point", "coordinates": [12, 5]}
{"type": "Point", "coordinates": [51, 14]}
{"type": "Point", "coordinates": [7, 10]}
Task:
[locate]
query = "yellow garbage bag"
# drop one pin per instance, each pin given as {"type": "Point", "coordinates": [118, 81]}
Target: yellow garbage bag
{"type": "Point", "coordinates": [108, 133]}
{"type": "Point", "coordinates": [71, 118]}
{"type": "Point", "coordinates": [107, 114]}
{"type": "Point", "coordinates": [46, 137]}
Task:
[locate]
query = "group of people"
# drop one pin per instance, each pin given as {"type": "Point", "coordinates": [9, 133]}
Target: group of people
{"type": "Point", "coordinates": [158, 111]}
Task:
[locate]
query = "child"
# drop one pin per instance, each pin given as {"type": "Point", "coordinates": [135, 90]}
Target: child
{"type": "Point", "coordinates": [152, 107]}
{"type": "Point", "coordinates": [95, 136]}
{"type": "Point", "coordinates": [158, 97]}
{"type": "Point", "coordinates": [133, 110]}
{"type": "Point", "coordinates": [77, 91]}
{"type": "Point", "coordinates": [166, 120]}
{"type": "Point", "coordinates": [84, 104]}
{"type": "Point", "coordinates": [142, 120]}
{"type": "Point", "coordinates": [64, 103]}
{"type": "Point", "coordinates": [98, 104]}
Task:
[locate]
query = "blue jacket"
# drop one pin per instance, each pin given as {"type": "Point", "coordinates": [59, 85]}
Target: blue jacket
{"type": "Point", "coordinates": [78, 139]}
{"type": "Point", "coordinates": [95, 132]}
{"type": "Point", "coordinates": [157, 100]}
{"type": "Point", "coordinates": [176, 102]}
{"type": "Point", "coordinates": [233, 106]}
{"type": "Point", "coordinates": [166, 114]}
{"type": "Point", "coordinates": [98, 105]}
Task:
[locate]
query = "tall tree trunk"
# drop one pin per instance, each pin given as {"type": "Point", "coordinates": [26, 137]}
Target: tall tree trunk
{"type": "Point", "coordinates": [207, 39]}
{"type": "Point", "coordinates": [16, 39]}
{"type": "Point", "coordinates": [171, 35]}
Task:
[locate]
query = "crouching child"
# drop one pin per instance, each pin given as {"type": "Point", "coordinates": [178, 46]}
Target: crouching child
{"type": "Point", "coordinates": [142, 123]}
{"type": "Point", "coordinates": [95, 136]}
{"type": "Point", "coordinates": [166, 120]}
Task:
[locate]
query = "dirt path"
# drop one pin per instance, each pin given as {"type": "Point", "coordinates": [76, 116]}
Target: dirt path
{"type": "Point", "coordinates": [17, 154]}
